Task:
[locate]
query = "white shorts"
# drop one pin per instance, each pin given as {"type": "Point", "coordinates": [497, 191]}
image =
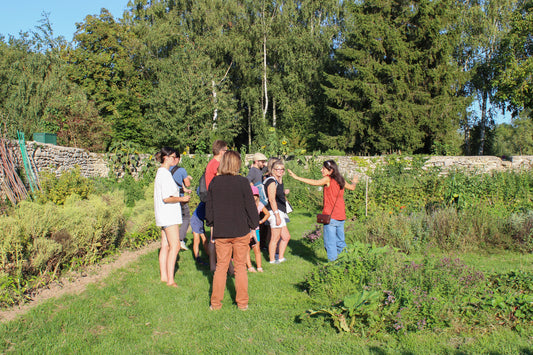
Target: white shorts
{"type": "Point", "coordinates": [272, 219]}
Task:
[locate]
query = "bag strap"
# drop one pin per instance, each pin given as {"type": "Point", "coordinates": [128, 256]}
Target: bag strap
{"type": "Point", "coordinates": [271, 177]}
{"type": "Point", "coordinates": [338, 194]}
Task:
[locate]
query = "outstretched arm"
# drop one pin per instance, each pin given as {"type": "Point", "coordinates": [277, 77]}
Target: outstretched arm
{"type": "Point", "coordinates": [322, 182]}
{"type": "Point", "coordinates": [351, 186]}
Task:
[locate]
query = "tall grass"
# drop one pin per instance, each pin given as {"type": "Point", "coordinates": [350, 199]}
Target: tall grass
{"type": "Point", "coordinates": [478, 228]}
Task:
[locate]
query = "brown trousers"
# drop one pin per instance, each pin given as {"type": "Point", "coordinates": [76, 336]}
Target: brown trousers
{"type": "Point", "coordinates": [225, 248]}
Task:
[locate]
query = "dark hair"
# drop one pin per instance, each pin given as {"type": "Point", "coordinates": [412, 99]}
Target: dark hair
{"type": "Point", "coordinates": [335, 173]}
{"type": "Point", "coordinates": [165, 152]}
{"type": "Point", "coordinates": [230, 164]}
{"type": "Point", "coordinates": [218, 145]}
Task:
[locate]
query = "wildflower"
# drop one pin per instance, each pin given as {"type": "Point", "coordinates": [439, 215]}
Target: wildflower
{"type": "Point", "coordinates": [284, 142]}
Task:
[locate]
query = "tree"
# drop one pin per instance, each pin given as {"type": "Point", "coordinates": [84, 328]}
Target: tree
{"type": "Point", "coordinates": [106, 64]}
{"type": "Point", "coordinates": [485, 23]}
{"type": "Point", "coordinates": [515, 62]}
{"type": "Point", "coordinates": [515, 138]}
{"type": "Point", "coordinates": [36, 95]}
{"type": "Point", "coordinates": [394, 84]}
{"type": "Point", "coordinates": [182, 104]}
{"type": "Point", "coordinates": [189, 62]}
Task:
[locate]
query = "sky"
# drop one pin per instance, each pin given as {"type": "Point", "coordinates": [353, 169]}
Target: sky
{"type": "Point", "coordinates": [24, 15]}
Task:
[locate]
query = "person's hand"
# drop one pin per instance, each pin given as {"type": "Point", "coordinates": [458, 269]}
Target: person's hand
{"type": "Point", "coordinates": [185, 198]}
{"type": "Point", "coordinates": [189, 177]}
{"type": "Point", "coordinates": [355, 180]}
{"type": "Point", "coordinates": [278, 219]}
{"type": "Point", "coordinates": [186, 190]}
{"type": "Point", "coordinates": [287, 191]}
{"type": "Point", "coordinates": [293, 175]}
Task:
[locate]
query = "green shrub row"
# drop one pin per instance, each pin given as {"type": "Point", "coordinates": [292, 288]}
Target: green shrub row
{"type": "Point", "coordinates": [400, 184]}
{"type": "Point", "coordinates": [40, 240]}
{"type": "Point", "coordinates": [477, 228]}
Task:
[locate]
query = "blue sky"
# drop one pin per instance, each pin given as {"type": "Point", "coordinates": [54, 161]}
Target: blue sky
{"type": "Point", "coordinates": [24, 15]}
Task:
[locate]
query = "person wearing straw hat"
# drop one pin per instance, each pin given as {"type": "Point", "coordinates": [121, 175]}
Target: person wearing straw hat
{"type": "Point", "coordinates": [255, 174]}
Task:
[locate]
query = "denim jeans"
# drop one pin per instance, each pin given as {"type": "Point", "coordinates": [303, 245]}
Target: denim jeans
{"type": "Point", "coordinates": [186, 220]}
{"type": "Point", "coordinates": [334, 238]}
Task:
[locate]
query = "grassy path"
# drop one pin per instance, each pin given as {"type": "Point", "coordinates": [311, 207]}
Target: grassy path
{"type": "Point", "coordinates": [132, 312]}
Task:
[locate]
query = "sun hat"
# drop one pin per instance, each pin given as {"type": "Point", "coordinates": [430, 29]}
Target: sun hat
{"type": "Point", "coordinates": [255, 190]}
{"type": "Point", "coordinates": [259, 156]}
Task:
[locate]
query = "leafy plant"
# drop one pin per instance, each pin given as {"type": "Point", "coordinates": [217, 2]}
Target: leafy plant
{"type": "Point", "coordinates": [57, 189]}
{"type": "Point", "coordinates": [382, 289]}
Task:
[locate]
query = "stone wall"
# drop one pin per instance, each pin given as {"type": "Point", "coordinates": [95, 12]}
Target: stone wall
{"type": "Point", "coordinates": [359, 165]}
{"type": "Point", "coordinates": [58, 159]}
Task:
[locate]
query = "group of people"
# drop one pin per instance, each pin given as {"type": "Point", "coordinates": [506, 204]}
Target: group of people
{"type": "Point", "coordinates": [236, 206]}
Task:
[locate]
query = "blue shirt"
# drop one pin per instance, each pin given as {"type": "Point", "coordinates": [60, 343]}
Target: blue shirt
{"type": "Point", "coordinates": [179, 175]}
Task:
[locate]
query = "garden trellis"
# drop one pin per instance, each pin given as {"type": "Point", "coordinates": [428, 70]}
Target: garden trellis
{"type": "Point", "coordinates": [11, 185]}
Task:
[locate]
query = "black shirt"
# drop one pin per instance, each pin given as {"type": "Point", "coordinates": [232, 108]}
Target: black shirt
{"type": "Point", "coordinates": [230, 207]}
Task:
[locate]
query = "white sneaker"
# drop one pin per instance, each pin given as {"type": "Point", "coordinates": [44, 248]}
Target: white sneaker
{"type": "Point", "coordinates": [183, 246]}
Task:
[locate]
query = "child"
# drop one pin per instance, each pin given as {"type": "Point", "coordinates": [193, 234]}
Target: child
{"type": "Point", "coordinates": [254, 240]}
{"type": "Point", "coordinates": [198, 232]}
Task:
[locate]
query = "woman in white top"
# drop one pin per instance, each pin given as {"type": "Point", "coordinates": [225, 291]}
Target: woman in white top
{"type": "Point", "coordinates": [168, 213]}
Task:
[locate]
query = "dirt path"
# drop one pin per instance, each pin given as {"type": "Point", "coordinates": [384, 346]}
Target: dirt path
{"type": "Point", "coordinates": [75, 283]}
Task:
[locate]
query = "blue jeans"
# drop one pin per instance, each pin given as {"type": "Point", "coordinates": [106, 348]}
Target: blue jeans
{"type": "Point", "coordinates": [334, 238]}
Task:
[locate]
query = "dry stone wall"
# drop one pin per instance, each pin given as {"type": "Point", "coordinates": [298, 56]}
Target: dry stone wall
{"type": "Point", "coordinates": [357, 165]}
{"type": "Point", "coordinates": [58, 159]}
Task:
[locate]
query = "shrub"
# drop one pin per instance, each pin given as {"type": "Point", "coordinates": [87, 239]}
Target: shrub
{"type": "Point", "coordinates": [477, 228]}
{"type": "Point", "coordinates": [58, 189]}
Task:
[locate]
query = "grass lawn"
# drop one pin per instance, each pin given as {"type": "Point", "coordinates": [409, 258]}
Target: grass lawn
{"type": "Point", "coordinates": [133, 312]}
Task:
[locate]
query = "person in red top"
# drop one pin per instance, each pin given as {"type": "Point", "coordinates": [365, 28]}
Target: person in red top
{"type": "Point", "coordinates": [219, 148]}
{"type": "Point", "coordinates": [334, 185]}
{"type": "Point", "coordinates": [197, 220]}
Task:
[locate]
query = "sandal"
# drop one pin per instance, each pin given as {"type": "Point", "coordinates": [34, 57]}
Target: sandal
{"type": "Point", "coordinates": [260, 269]}
{"type": "Point", "coordinates": [251, 269]}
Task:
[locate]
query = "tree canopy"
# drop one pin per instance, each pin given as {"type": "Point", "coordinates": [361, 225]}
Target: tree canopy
{"type": "Point", "coordinates": [364, 77]}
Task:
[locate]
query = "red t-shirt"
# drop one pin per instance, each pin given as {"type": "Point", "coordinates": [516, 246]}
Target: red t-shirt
{"type": "Point", "coordinates": [211, 171]}
{"type": "Point", "coordinates": [330, 195]}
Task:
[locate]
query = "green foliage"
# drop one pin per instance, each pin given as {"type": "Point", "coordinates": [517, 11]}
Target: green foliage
{"type": "Point", "coordinates": [120, 300]}
{"type": "Point", "coordinates": [125, 158]}
{"type": "Point", "coordinates": [474, 229]}
{"type": "Point", "coordinates": [514, 139]}
{"type": "Point", "coordinates": [58, 189]}
{"type": "Point", "coordinates": [514, 60]}
{"type": "Point", "coordinates": [382, 290]}
{"type": "Point", "coordinates": [387, 89]}
{"type": "Point", "coordinates": [105, 64]}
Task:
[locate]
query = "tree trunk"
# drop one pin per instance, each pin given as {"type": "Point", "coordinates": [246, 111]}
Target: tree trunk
{"type": "Point", "coordinates": [483, 122]}
{"type": "Point", "coordinates": [265, 90]}
{"type": "Point", "coordinates": [249, 127]}
{"type": "Point", "coordinates": [215, 112]}
{"type": "Point", "coordinates": [273, 112]}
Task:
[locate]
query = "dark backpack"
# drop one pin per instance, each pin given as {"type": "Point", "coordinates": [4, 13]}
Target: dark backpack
{"type": "Point", "coordinates": [202, 189]}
